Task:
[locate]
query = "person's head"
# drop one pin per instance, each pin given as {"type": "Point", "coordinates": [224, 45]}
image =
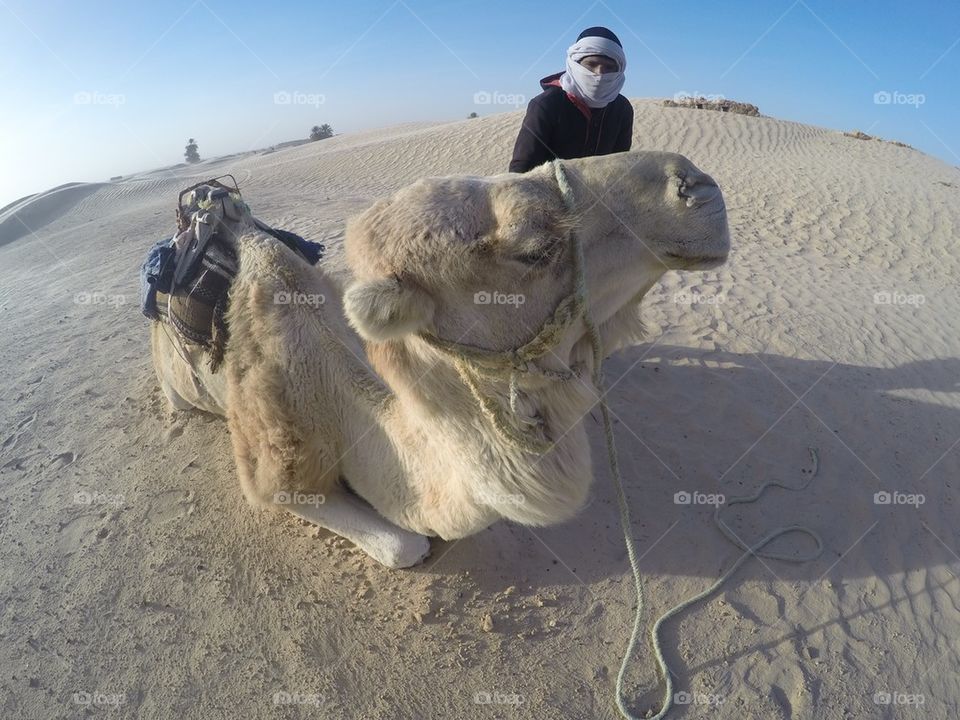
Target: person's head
{"type": "Point", "coordinates": [595, 67]}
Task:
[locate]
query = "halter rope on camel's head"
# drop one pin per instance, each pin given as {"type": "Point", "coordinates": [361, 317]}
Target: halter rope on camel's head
{"type": "Point", "coordinates": [472, 362]}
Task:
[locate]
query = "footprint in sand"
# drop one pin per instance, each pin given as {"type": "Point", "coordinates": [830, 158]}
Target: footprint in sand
{"type": "Point", "coordinates": [64, 459]}
{"type": "Point", "coordinates": [18, 432]}
{"type": "Point", "coordinates": [171, 505]}
{"type": "Point", "coordinates": [16, 463]}
{"type": "Point", "coordinates": [172, 433]}
{"type": "Point", "coordinates": [73, 533]}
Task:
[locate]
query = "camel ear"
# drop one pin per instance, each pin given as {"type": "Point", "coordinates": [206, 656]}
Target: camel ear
{"type": "Point", "coordinates": [387, 308]}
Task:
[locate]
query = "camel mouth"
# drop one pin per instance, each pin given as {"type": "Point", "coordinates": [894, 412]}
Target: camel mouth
{"type": "Point", "coordinates": [697, 262]}
{"type": "Point", "coordinates": [703, 253]}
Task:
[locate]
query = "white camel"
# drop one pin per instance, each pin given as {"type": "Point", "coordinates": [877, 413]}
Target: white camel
{"type": "Point", "coordinates": [465, 291]}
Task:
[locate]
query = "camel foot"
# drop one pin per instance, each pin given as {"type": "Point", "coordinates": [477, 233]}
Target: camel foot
{"type": "Point", "coordinates": [351, 518]}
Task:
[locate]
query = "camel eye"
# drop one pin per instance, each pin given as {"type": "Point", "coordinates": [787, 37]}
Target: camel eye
{"type": "Point", "coordinates": [531, 258]}
{"type": "Point", "coordinates": [469, 237]}
{"type": "Point", "coordinates": [541, 255]}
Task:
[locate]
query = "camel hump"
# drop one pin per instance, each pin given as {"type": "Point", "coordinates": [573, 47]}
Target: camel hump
{"type": "Point", "coordinates": [186, 279]}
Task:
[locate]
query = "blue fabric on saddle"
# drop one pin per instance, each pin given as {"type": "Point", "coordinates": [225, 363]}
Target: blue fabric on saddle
{"type": "Point", "coordinates": [152, 273]}
{"type": "Point", "coordinates": [162, 253]}
{"type": "Point", "coordinates": [185, 280]}
{"type": "Point", "coordinates": [311, 251]}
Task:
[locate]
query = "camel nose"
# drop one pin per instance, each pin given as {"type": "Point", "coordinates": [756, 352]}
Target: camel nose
{"type": "Point", "coordinates": [698, 189]}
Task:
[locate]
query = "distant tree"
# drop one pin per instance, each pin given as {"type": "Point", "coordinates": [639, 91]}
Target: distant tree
{"type": "Point", "coordinates": [190, 154]}
{"type": "Point", "coordinates": [321, 132]}
{"type": "Point", "coordinates": [472, 115]}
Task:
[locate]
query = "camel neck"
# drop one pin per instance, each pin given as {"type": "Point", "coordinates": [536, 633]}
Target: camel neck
{"type": "Point", "coordinates": [460, 462]}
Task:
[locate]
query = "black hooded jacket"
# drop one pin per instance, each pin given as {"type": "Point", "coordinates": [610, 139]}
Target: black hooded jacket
{"type": "Point", "coordinates": [556, 127]}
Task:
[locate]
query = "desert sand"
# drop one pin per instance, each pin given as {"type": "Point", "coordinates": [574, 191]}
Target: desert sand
{"type": "Point", "coordinates": [136, 582]}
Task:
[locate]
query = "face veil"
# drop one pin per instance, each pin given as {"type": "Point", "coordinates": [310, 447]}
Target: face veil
{"type": "Point", "coordinates": [596, 91]}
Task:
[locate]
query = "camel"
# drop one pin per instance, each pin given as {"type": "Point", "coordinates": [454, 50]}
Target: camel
{"type": "Point", "coordinates": [464, 291]}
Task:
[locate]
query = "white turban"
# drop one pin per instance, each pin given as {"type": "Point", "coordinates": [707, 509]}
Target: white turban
{"type": "Point", "coordinates": [596, 91]}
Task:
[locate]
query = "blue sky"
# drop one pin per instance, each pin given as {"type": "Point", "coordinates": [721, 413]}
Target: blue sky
{"type": "Point", "coordinates": [95, 89]}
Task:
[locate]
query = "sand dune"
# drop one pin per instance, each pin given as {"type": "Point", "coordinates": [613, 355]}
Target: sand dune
{"type": "Point", "coordinates": [34, 212]}
{"type": "Point", "coordinates": [835, 325]}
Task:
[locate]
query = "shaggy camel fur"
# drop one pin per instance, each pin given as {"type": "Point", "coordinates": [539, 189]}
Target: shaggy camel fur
{"type": "Point", "coordinates": [482, 261]}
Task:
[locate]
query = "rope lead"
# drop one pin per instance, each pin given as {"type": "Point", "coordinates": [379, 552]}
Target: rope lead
{"type": "Point", "coordinates": [625, 520]}
{"type": "Point", "coordinates": [473, 362]}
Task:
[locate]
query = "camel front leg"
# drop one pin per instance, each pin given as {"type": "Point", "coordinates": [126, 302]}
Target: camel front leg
{"type": "Point", "coordinates": [351, 518]}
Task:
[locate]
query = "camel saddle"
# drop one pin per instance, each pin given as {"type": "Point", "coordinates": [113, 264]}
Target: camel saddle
{"type": "Point", "coordinates": [186, 280]}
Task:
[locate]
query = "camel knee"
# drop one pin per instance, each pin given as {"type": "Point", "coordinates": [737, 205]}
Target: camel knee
{"type": "Point", "coordinates": [176, 400]}
{"type": "Point", "coordinates": [274, 466]}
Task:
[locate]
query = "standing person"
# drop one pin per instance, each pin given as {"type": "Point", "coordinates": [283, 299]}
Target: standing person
{"type": "Point", "coordinates": [580, 111]}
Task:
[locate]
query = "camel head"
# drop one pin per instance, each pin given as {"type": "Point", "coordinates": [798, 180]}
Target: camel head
{"type": "Point", "coordinates": [486, 260]}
